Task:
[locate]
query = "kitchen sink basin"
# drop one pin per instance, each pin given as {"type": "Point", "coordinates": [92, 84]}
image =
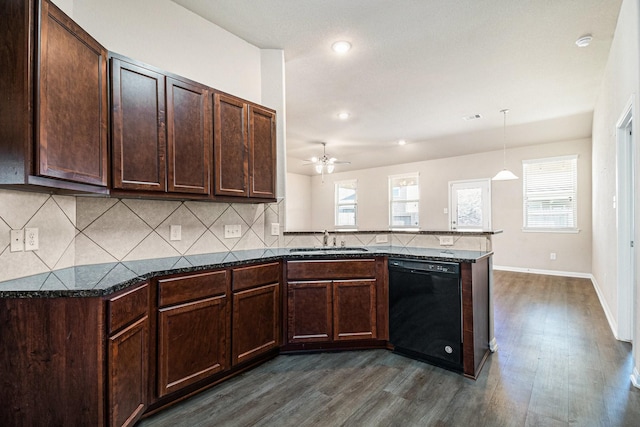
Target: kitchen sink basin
{"type": "Point", "coordinates": [329, 249]}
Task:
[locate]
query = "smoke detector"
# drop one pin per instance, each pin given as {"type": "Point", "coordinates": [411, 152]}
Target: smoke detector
{"type": "Point", "coordinates": [584, 41]}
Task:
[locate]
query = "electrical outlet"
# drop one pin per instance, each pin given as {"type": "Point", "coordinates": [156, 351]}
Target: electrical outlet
{"type": "Point", "coordinates": [176, 232]}
{"type": "Point", "coordinates": [552, 256]}
{"type": "Point", "coordinates": [17, 240]}
{"type": "Point", "coordinates": [275, 229]}
{"type": "Point", "coordinates": [232, 231]}
{"type": "Point", "coordinates": [446, 240]}
{"type": "Point", "coordinates": [31, 241]}
{"type": "Point", "coordinates": [382, 238]}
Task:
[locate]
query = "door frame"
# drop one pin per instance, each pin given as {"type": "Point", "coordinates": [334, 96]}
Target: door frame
{"type": "Point", "coordinates": [626, 153]}
{"type": "Point", "coordinates": [485, 184]}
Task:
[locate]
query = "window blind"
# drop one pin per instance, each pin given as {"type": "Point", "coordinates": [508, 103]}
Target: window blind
{"type": "Point", "coordinates": [550, 193]}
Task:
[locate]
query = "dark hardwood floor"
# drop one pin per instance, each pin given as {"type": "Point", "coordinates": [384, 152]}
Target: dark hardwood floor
{"type": "Point", "coordinates": [558, 364]}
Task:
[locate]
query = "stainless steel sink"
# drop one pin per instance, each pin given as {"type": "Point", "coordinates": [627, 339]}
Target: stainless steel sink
{"type": "Point", "coordinates": [330, 249]}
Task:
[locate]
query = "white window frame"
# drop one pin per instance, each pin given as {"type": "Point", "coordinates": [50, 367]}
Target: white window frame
{"type": "Point", "coordinates": [337, 204]}
{"type": "Point", "coordinates": [413, 175]}
{"type": "Point", "coordinates": [485, 185]}
{"type": "Point", "coordinates": [571, 193]}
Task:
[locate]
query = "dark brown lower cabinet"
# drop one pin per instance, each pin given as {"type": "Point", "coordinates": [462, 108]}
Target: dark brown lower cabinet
{"type": "Point", "coordinates": [192, 343]}
{"type": "Point", "coordinates": [336, 300]}
{"type": "Point", "coordinates": [128, 355]}
{"type": "Point", "coordinates": [354, 304]}
{"type": "Point", "coordinates": [256, 311]}
{"type": "Point", "coordinates": [255, 322]}
{"type": "Point", "coordinates": [310, 311]}
{"type": "Point", "coordinates": [127, 366]}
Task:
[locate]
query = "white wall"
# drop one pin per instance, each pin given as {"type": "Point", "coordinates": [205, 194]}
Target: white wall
{"type": "Point", "coordinates": [620, 83]}
{"type": "Point", "coordinates": [514, 248]}
{"type": "Point", "coordinates": [298, 202]}
{"type": "Point", "coordinates": [274, 96]}
{"type": "Point", "coordinates": [168, 36]}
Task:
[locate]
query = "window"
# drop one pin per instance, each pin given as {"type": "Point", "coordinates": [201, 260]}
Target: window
{"type": "Point", "coordinates": [470, 205]}
{"type": "Point", "coordinates": [346, 204]}
{"type": "Point", "coordinates": [549, 194]}
{"type": "Point", "coordinates": [404, 200]}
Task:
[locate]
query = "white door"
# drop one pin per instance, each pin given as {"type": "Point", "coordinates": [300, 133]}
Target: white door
{"type": "Point", "coordinates": [470, 205]}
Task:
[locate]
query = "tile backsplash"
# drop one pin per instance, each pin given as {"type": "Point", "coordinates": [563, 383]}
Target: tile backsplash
{"type": "Point", "coordinates": [403, 239]}
{"type": "Point", "coordinates": [89, 230]}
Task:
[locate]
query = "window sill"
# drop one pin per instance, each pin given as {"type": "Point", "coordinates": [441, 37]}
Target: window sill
{"type": "Point", "coordinates": [552, 230]}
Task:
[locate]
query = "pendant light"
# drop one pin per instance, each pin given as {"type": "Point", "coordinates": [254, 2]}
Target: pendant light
{"type": "Point", "coordinates": [504, 174]}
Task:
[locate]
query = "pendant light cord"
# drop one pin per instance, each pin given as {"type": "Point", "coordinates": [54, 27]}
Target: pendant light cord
{"type": "Point", "coordinates": [504, 138]}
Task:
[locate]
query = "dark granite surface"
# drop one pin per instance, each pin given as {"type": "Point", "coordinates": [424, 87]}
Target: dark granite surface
{"type": "Point", "coordinates": [429, 232]}
{"type": "Point", "coordinates": [98, 280]}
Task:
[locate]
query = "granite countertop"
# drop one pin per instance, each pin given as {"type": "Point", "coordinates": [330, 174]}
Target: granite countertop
{"type": "Point", "coordinates": [400, 231]}
{"type": "Point", "coordinates": [98, 280]}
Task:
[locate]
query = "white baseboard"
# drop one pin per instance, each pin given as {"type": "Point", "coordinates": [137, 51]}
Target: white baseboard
{"type": "Point", "coordinates": [603, 303]}
{"type": "Point", "coordinates": [613, 324]}
{"type": "Point", "coordinates": [493, 345]}
{"type": "Point", "coordinates": [545, 272]}
{"type": "Point", "coordinates": [635, 378]}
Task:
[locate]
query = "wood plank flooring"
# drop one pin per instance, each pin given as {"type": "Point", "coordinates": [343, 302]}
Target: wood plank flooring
{"type": "Point", "coordinates": [558, 364]}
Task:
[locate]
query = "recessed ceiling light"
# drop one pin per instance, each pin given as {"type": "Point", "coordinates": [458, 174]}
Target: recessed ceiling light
{"type": "Point", "coordinates": [402, 142]}
{"type": "Point", "coordinates": [341, 46]}
{"type": "Point", "coordinates": [344, 115]}
{"type": "Point", "coordinates": [584, 41]}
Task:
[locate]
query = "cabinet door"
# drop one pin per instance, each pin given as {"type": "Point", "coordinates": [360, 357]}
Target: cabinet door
{"type": "Point", "coordinates": [192, 342]}
{"type": "Point", "coordinates": [309, 311]}
{"type": "Point", "coordinates": [354, 315]}
{"type": "Point", "coordinates": [127, 366]}
{"type": "Point", "coordinates": [139, 140]}
{"type": "Point", "coordinates": [256, 322]}
{"type": "Point", "coordinates": [72, 112]}
{"type": "Point", "coordinates": [188, 138]}
{"type": "Point", "coordinates": [262, 157]}
{"type": "Point", "coordinates": [230, 146]}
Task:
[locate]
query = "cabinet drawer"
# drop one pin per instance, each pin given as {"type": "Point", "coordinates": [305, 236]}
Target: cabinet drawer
{"type": "Point", "coordinates": [127, 307]}
{"type": "Point", "coordinates": [176, 290]}
{"type": "Point", "coordinates": [256, 275]}
{"type": "Point", "coordinates": [334, 269]}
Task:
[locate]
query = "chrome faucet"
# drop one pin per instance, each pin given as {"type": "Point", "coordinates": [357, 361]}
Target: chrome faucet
{"type": "Point", "coordinates": [325, 238]}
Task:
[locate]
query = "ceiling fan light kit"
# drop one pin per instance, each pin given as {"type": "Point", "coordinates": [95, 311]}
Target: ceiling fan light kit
{"type": "Point", "coordinates": [324, 164]}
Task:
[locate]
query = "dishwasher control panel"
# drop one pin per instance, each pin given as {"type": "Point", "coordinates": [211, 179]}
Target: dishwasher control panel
{"type": "Point", "coordinates": [429, 266]}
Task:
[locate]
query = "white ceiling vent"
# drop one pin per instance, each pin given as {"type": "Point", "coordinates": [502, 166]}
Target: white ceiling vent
{"type": "Point", "coordinates": [472, 117]}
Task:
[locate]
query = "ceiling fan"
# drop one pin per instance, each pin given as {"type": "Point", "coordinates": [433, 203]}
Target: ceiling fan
{"type": "Point", "coordinates": [324, 164]}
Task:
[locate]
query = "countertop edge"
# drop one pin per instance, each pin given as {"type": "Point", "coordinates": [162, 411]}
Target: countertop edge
{"type": "Point", "coordinates": [103, 292]}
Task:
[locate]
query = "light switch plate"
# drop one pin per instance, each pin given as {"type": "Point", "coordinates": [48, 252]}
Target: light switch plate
{"type": "Point", "coordinates": [382, 238]}
{"type": "Point", "coordinates": [275, 229]}
{"type": "Point", "coordinates": [31, 239]}
{"type": "Point", "coordinates": [176, 232]}
{"type": "Point", "coordinates": [17, 240]}
{"type": "Point", "coordinates": [232, 231]}
{"type": "Point", "coordinates": [446, 240]}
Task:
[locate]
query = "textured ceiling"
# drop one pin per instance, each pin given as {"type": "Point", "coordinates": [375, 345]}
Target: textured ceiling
{"type": "Point", "coordinates": [417, 67]}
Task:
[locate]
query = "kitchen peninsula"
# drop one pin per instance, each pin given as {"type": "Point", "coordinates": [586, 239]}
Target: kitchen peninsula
{"type": "Point", "coordinates": [105, 344]}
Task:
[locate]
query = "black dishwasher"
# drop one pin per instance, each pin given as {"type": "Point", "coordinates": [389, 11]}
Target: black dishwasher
{"type": "Point", "coordinates": [425, 311]}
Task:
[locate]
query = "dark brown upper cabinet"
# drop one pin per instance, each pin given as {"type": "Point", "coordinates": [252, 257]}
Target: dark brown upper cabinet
{"type": "Point", "coordinates": [188, 137]}
{"type": "Point", "coordinates": [262, 157]}
{"type": "Point", "coordinates": [54, 103]}
{"type": "Point", "coordinates": [138, 127]}
{"type": "Point", "coordinates": [161, 130]}
{"type": "Point", "coordinates": [244, 148]}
